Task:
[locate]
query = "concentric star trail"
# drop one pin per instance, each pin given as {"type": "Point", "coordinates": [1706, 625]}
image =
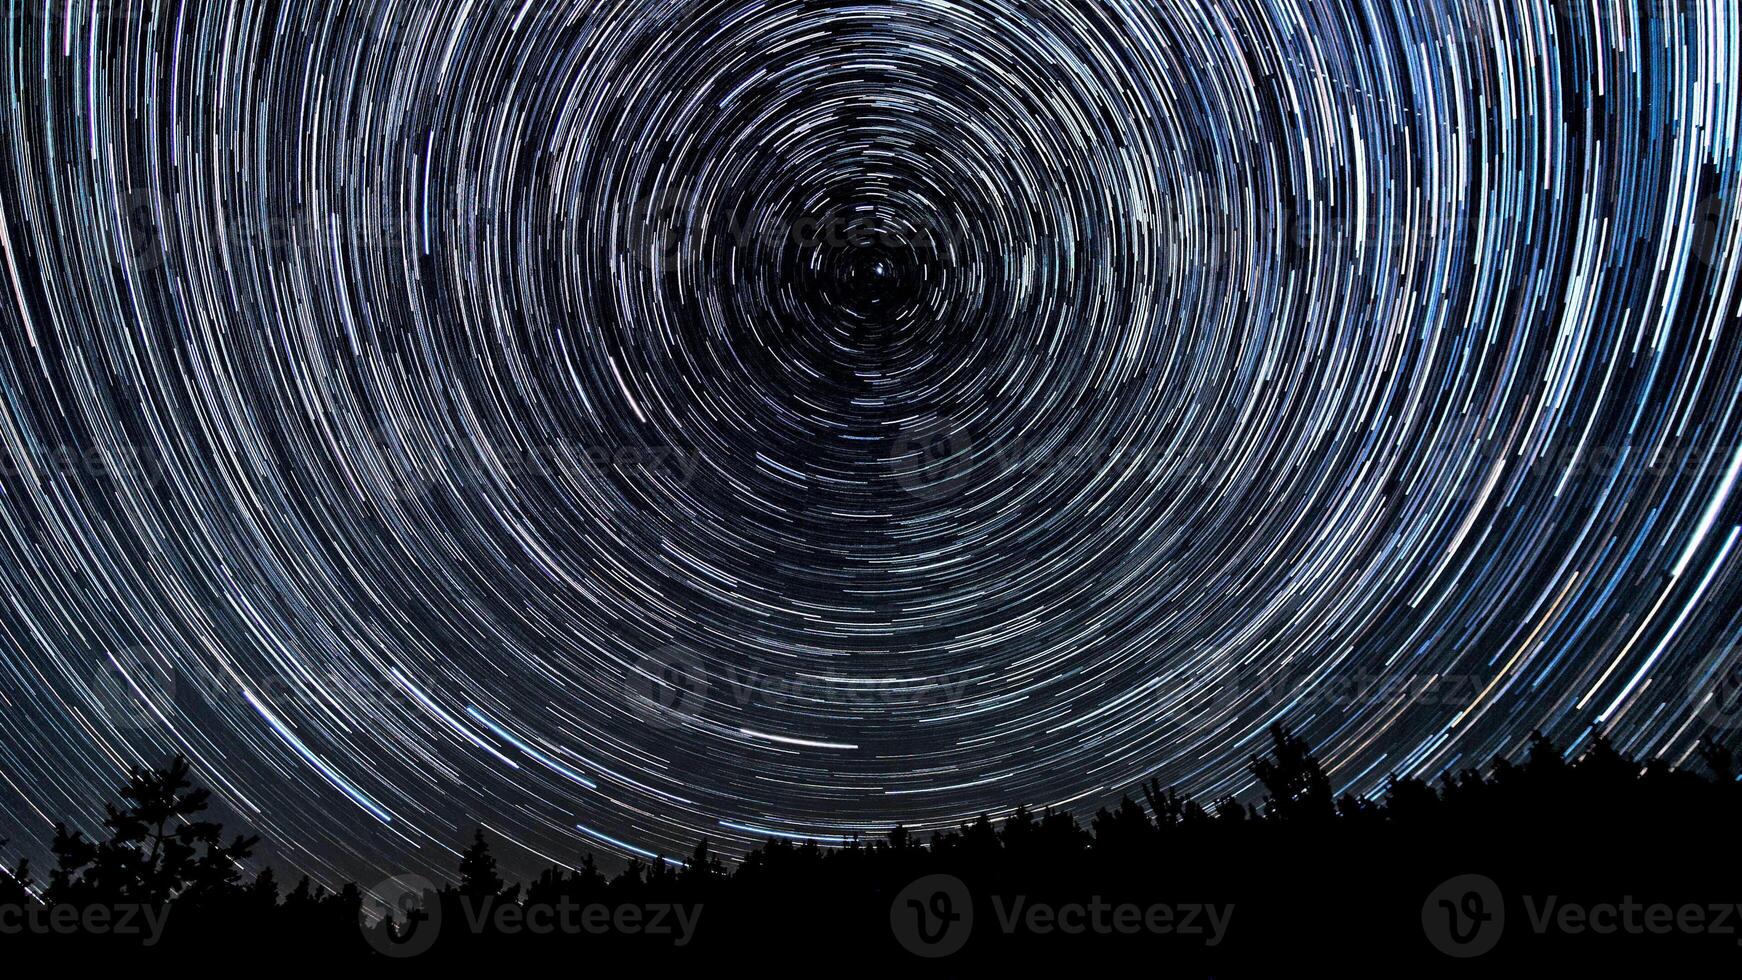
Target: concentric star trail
{"type": "Point", "coordinates": [620, 422]}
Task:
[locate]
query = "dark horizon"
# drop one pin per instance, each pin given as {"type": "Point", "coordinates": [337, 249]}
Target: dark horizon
{"type": "Point", "coordinates": [1164, 874]}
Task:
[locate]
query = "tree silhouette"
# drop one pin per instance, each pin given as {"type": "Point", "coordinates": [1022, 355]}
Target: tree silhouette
{"type": "Point", "coordinates": [157, 849]}
{"type": "Point", "coordinates": [1368, 860]}
{"type": "Point", "coordinates": [478, 877]}
{"type": "Point", "coordinates": [1718, 759]}
{"type": "Point", "coordinates": [15, 885]}
{"type": "Point", "coordinates": [1299, 789]}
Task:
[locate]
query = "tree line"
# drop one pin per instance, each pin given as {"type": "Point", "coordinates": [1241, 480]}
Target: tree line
{"type": "Point", "coordinates": [1298, 869]}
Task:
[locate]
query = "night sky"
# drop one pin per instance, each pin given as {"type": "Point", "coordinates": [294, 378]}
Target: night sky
{"type": "Point", "coordinates": [620, 422]}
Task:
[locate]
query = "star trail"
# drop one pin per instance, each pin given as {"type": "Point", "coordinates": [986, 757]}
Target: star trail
{"type": "Point", "coordinates": [616, 423]}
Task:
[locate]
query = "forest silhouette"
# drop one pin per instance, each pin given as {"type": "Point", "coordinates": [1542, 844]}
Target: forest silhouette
{"type": "Point", "coordinates": [1598, 861]}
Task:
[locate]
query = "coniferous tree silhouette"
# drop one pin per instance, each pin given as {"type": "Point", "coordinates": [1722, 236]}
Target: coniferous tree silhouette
{"type": "Point", "coordinates": [15, 884]}
{"type": "Point", "coordinates": [703, 869]}
{"type": "Point", "coordinates": [478, 876]}
{"type": "Point", "coordinates": [1534, 825]}
{"type": "Point", "coordinates": [1298, 787]}
{"type": "Point", "coordinates": [157, 848]}
{"type": "Point", "coordinates": [1718, 759]}
{"type": "Point", "coordinates": [262, 893]}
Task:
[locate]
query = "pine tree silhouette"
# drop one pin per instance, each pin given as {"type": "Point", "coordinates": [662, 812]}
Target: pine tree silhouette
{"type": "Point", "coordinates": [16, 884]}
{"type": "Point", "coordinates": [1299, 789]}
{"type": "Point", "coordinates": [1536, 824]}
{"type": "Point", "coordinates": [478, 877]}
{"type": "Point", "coordinates": [157, 849]}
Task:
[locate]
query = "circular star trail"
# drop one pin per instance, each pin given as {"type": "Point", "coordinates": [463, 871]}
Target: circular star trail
{"type": "Point", "coordinates": [621, 422]}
